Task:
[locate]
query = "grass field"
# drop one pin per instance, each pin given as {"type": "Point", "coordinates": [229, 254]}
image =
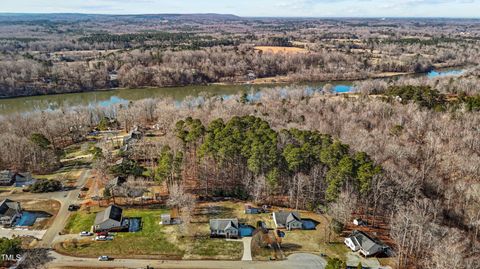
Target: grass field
{"type": "Point", "coordinates": [153, 240]}
{"type": "Point", "coordinates": [274, 49]}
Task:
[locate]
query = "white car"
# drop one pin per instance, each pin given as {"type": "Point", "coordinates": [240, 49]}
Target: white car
{"type": "Point", "coordinates": [101, 238]}
{"type": "Point", "coordinates": [103, 258]}
{"type": "Point", "coordinates": [85, 233]}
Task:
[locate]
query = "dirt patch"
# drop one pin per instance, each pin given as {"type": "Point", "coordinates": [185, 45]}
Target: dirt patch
{"type": "Point", "coordinates": [275, 49]}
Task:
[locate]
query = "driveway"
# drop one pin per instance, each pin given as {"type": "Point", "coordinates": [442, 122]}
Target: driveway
{"type": "Point", "coordinates": [247, 249]}
{"type": "Point", "coordinates": [10, 233]}
{"type": "Point", "coordinates": [65, 198]}
{"type": "Point", "coordinates": [60, 221]}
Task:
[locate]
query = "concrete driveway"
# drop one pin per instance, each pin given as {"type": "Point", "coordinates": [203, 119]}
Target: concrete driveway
{"type": "Point", "coordinates": [247, 249]}
{"type": "Point", "coordinates": [10, 233]}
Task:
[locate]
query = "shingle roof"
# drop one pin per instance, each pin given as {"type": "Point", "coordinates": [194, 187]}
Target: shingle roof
{"type": "Point", "coordinates": [365, 242]}
{"type": "Point", "coordinates": [6, 175]}
{"type": "Point", "coordinates": [222, 224]}
{"type": "Point", "coordinates": [112, 212]}
{"type": "Point", "coordinates": [9, 208]}
{"type": "Point", "coordinates": [283, 217]}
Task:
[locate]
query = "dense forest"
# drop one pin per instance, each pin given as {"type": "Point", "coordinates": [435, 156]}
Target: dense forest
{"type": "Point", "coordinates": [411, 163]}
{"type": "Point", "coordinates": [57, 54]}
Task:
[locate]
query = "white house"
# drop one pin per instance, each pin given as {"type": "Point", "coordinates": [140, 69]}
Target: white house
{"type": "Point", "coordinates": [359, 241]}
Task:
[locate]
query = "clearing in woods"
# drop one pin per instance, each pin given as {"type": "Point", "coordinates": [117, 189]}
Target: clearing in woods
{"type": "Point", "coordinates": [274, 49]}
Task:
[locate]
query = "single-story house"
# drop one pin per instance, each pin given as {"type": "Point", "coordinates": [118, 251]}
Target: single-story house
{"type": "Point", "coordinates": [224, 228]}
{"type": "Point", "coordinates": [109, 219]}
{"type": "Point", "coordinates": [9, 212]}
{"type": "Point", "coordinates": [116, 182]}
{"type": "Point", "coordinates": [360, 241]}
{"type": "Point", "coordinates": [249, 209]}
{"type": "Point", "coordinates": [6, 178]}
{"type": "Point", "coordinates": [23, 179]}
{"type": "Point", "coordinates": [287, 220]}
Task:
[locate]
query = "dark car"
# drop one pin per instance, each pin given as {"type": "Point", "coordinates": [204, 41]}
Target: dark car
{"type": "Point", "coordinates": [73, 207]}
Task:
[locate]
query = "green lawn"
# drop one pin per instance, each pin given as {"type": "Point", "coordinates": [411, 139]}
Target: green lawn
{"type": "Point", "coordinates": [79, 221]}
{"type": "Point", "coordinates": [151, 240]}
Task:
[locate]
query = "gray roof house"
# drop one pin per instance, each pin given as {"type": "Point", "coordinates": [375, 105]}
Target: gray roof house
{"type": "Point", "coordinates": [109, 219]}
{"type": "Point", "coordinates": [224, 228]}
{"type": "Point", "coordinates": [6, 178]}
{"type": "Point", "coordinates": [287, 220]}
{"type": "Point", "coordinates": [9, 212]}
{"type": "Point", "coordinates": [359, 241]}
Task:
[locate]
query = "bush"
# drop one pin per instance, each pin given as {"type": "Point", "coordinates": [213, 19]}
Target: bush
{"type": "Point", "coordinates": [46, 185]}
{"type": "Point", "coordinates": [335, 263]}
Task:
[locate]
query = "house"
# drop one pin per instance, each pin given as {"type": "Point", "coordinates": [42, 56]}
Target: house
{"type": "Point", "coordinates": [23, 179]}
{"type": "Point", "coordinates": [224, 228]}
{"type": "Point", "coordinates": [116, 182]}
{"type": "Point", "coordinates": [9, 212]}
{"type": "Point", "coordinates": [170, 218]}
{"type": "Point", "coordinates": [249, 209]}
{"type": "Point", "coordinates": [287, 220]}
{"type": "Point", "coordinates": [360, 241]}
{"type": "Point", "coordinates": [109, 219]}
{"type": "Point", "coordinates": [6, 178]}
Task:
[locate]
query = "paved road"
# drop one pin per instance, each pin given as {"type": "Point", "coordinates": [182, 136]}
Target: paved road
{"type": "Point", "coordinates": [300, 261]}
{"type": "Point", "coordinates": [60, 221]}
{"type": "Point", "coordinates": [64, 197]}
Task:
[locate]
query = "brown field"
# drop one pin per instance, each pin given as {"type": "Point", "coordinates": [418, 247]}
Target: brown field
{"type": "Point", "coordinates": [273, 49]}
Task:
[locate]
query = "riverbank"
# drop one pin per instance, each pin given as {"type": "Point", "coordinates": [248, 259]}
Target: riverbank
{"type": "Point", "coordinates": [108, 97]}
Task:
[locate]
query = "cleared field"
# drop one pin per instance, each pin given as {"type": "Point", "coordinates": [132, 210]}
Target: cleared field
{"type": "Point", "coordinates": [274, 49]}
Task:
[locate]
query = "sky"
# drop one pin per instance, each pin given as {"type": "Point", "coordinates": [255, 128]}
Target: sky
{"type": "Point", "coordinates": [255, 8]}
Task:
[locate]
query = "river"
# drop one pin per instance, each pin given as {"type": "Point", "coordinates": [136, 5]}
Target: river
{"type": "Point", "coordinates": [178, 94]}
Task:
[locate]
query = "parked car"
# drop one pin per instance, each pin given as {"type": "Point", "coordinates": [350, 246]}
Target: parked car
{"type": "Point", "coordinates": [85, 233]}
{"type": "Point", "coordinates": [73, 207]}
{"type": "Point", "coordinates": [84, 188]}
{"type": "Point", "coordinates": [101, 238]}
{"type": "Point", "coordinates": [103, 258]}
{"type": "Point", "coordinates": [102, 233]}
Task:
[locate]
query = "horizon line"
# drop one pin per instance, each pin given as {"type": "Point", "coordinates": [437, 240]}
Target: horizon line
{"type": "Point", "coordinates": [240, 16]}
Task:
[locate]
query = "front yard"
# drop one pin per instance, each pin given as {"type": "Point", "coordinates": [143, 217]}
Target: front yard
{"type": "Point", "coordinates": [153, 240]}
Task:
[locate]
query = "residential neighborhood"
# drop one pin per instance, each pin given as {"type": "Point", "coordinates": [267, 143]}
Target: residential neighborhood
{"type": "Point", "coordinates": [271, 134]}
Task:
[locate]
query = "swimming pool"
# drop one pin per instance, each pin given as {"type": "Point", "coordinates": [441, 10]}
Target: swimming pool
{"type": "Point", "coordinates": [29, 218]}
